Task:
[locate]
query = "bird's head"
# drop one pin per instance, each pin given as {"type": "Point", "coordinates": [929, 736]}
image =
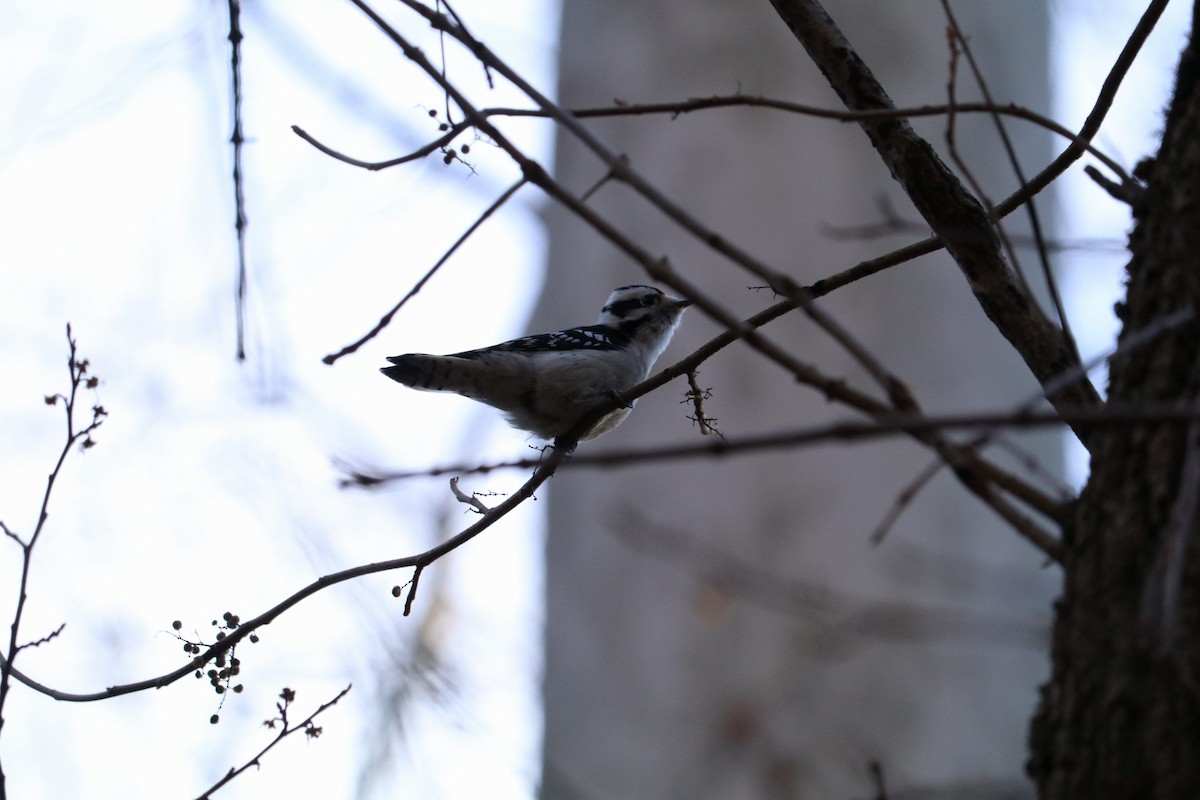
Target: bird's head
{"type": "Point", "coordinates": [634, 304]}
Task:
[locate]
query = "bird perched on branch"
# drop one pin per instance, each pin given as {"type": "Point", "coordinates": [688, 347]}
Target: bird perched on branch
{"type": "Point", "coordinates": [546, 383]}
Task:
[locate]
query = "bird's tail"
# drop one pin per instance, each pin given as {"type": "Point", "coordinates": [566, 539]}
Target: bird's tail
{"type": "Point", "coordinates": [434, 373]}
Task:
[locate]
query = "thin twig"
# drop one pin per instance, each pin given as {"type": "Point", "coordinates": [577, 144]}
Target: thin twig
{"type": "Point", "coordinates": [1060, 164]}
{"type": "Point", "coordinates": [903, 500]}
{"type": "Point", "coordinates": [79, 377]}
{"type": "Point", "coordinates": [1129, 342]}
{"type": "Point", "coordinates": [658, 268]}
{"type": "Point", "coordinates": [547, 467]}
{"type": "Point", "coordinates": [696, 396]}
{"type": "Point", "coordinates": [1095, 118]}
{"type": "Point", "coordinates": [285, 731]}
{"type": "Point", "coordinates": [882, 425]}
{"type": "Point", "coordinates": [957, 44]}
{"type": "Point", "coordinates": [832, 388]}
{"type": "Point", "coordinates": [892, 223]}
{"type": "Point", "coordinates": [432, 147]}
{"type": "Point", "coordinates": [386, 319]}
{"type": "Point", "coordinates": [957, 217]}
{"type": "Point", "coordinates": [879, 427]}
{"type": "Point", "coordinates": [48, 637]}
{"type": "Point", "coordinates": [412, 589]}
{"type": "Point", "coordinates": [676, 108]}
{"type": "Point", "coordinates": [1035, 223]}
{"type": "Point", "coordinates": [239, 199]}
{"type": "Point", "coordinates": [467, 499]}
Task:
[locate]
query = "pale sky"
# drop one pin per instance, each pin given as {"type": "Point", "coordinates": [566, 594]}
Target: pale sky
{"type": "Point", "coordinates": [212, 485]}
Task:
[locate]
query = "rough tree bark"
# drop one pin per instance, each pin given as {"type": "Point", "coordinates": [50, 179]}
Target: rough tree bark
{"type": "Point", "coordinates": [1120, 716]}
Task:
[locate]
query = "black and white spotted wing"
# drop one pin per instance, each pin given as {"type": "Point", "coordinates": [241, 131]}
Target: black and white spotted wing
{"type": "Point", "coordinates": [587, 337]}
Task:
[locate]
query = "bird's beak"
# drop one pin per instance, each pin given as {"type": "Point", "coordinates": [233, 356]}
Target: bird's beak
{"type": "Point", "coordinates": [682, 304]}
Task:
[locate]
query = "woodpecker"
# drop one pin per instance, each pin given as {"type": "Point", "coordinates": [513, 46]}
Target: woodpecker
{"type": "Point", "coordinates": [545, 383]}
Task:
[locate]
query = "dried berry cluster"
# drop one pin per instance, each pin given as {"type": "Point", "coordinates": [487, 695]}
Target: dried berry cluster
{"type": "Point", "coordinates": [449, 154]}
{"type": "Point", "coordinates": [225, 666]}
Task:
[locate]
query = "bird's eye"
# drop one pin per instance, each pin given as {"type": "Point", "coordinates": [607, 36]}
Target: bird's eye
{"type": "Point", "coordinates": [650, 300]}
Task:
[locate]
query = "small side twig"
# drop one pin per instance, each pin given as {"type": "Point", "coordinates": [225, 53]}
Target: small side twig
{"type": "Point", "coordinates": [903, 500]}
{"type": "Point", "coordinates": [696, 396]}
{"type": "Point", "coordinates": [280, 721]}
{"type": "Point", "coordinates": [412, 589]}
{"type": "Point", "coordinates": [467, 499]}
{"type": "Point", "coordinates": [41, 641]}
{"type": "Point", "coordinates": [75, 435]}
{"type": "Point", "coordinates": [546, 467]}
{"type": "Point", "coordinates": [1127, 190]}
{"type": "Point", "coordinates": [1035, 225]}
{"type": "Point", "coordinates": [386, 319]}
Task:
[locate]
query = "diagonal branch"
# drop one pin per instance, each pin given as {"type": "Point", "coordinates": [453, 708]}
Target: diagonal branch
{"type": "Point", "coordinates": [957, 217]}
{"type": "Point", "coordinates": [386, 319]}
{"type": "Point", "coordinates": [974, 472]}
{"type": "Point", "coordinates": [286, 729]}
{"type": "Point", "coordinates": [959, 40]}
{"type": "Point", "coordinates": [419, 562]}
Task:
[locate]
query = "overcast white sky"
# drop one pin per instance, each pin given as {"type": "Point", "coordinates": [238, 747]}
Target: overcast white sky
{"type": "Point", "coordinates": [212, 486]}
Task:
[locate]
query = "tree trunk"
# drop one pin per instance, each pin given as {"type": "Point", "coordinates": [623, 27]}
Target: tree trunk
{"type": "Point", "coordinates": [1120, 716]}
{"type": "Point", "coordinates": [673, 669]}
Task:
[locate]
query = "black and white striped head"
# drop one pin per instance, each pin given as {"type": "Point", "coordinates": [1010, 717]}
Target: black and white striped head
{"type": "Point", "coordinates": [631, 304]}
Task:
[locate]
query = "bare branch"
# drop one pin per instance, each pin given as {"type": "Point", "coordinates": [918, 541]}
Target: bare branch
{"type": "Point", "coordinates": [903, 500]}
{"type": "Point", "coordinates": [11, 534]}
{"type": "Point", "coordinates": [285, 730]}
{"type": "Point", "coordinates": [386, 319]}
{"type": "Point", "coordinates": [1127, 191]}
{"type": "Point", "coordinates": [1078, 146]}
{"type": "Point", "coordinates": [1091, 125]}
{"type": "Point", "coordinates": [79, 377]}
{"type": "Point", "coordinates": [834, 389]}
{"type": "Point", "coordinates": [237, 139]}
{"type": "Point", "coordinates": [879, 427]}
{"type": "Point", "coordinates": [436, 145]}
{"type": "Point", "coordinates": [891, 222]}
{"type": "Point", "coordinates": [547, 467]}
{"type": "Point", "coordinates": [696, 396]}
{"type": "Point", "coordinates": [39, 642]}
{"type": "Point", "coordinates": [955, 215]}
{"type": "Point", "coordinates": [693, 104]}
{"type": "Point", "coordinates": [658, 268]}
{"type": "Point", "coordinates": [1035, 223]}
{"type": "Point", "coordinates": [467, 499]}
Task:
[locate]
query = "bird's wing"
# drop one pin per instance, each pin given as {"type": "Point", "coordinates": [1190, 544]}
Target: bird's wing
{"type": "Point", "coordinates": [588, 337]}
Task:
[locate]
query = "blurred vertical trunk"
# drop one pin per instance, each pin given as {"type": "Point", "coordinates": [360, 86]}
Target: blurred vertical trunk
{"type": "Point", "coordinates": [725, 629]}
